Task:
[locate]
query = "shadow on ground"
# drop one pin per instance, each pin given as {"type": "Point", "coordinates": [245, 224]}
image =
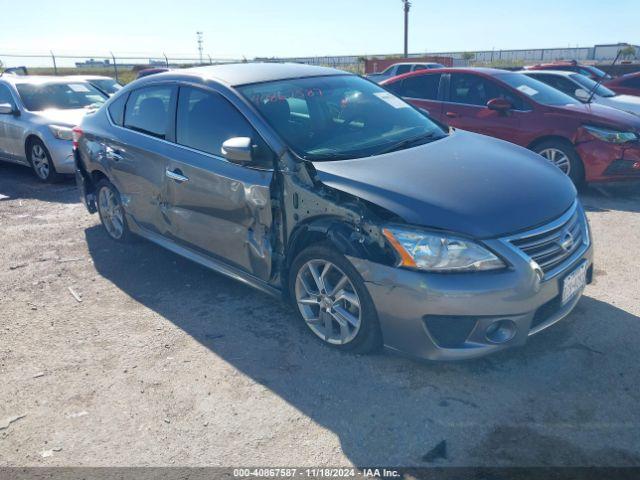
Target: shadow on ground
{"type": "Point", "coordinates": [623, 197]}
{"type": "Point", "coordinates": [530, 406]}
{"type": "Point", "coordinates": [20, 182]}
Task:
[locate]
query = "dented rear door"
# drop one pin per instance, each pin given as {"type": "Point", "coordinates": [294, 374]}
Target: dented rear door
{"type": "Point", "coordinates": [211, 205]}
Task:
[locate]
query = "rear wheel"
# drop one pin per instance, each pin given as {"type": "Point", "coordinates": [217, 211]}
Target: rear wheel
{"type": "Point", "coordinates": [562, 154]}
{"type": "Point", "coordinates": [111, 212]}
{"type": "Point", "coordinates": [41, 163]}
{"type": "Point", "coordinates": [332, 300]}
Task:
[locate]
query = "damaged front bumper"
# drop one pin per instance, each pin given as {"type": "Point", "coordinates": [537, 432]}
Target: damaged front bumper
{"type": "Point", "coordinates": [456, 316]}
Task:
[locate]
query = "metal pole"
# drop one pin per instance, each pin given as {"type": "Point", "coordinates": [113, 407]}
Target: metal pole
{"type": "Point", "coordinates": [407, 6]}
{"type": "Point", "coordinates": [210, 61]}
{"type": "Point", "coordinates": [166, 60]}
{"type": "Point", "coordinates": [115, 66]}
{"type": "Point", "coordinates": [55, 67]}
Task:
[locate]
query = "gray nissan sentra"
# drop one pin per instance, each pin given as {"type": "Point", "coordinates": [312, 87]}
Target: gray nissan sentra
{"type": "Point", "coordinates": [381, 227]}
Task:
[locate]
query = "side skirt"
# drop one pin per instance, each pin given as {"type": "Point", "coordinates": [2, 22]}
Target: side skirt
{"type": "Point", "coordinates": [205, 261]}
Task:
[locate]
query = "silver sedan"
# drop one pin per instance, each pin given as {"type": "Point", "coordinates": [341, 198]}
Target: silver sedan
{"type": "Point", "coordinates": [37, 115]}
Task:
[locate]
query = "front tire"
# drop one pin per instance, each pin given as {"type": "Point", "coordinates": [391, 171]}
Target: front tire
{"type": "Point", "coordinates": [111, 212]}
{"type": "Point", "coordinates": [40, 160]}
{"type": "Point", "coordinates": [332, 300]}
{"type": "Point", "coordinates": [563, 155]}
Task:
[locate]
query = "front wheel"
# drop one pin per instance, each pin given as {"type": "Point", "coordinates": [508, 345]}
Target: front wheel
{"type": "Point", "coordinates": [41, 162]}
{"type": "Point", "coordinates": [332, 300]}
{"type": "Point", "coordinates": [564, 156]}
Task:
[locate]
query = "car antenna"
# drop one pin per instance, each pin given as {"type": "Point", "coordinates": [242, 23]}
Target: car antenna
{"type": "Point", "coordinates": [601, 79]}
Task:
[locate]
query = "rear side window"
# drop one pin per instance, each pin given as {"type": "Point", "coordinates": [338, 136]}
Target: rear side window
{"type": "Point", "coordinates": [403, 69]}
{"type": "Point", "coordinates": [148, 110]}
{"type": "Point", "coordinates": [421, 86]}
{"type": "Point", "coordinates": [205, 120]}
{"type": "Point", "coordinates": [116, 110]}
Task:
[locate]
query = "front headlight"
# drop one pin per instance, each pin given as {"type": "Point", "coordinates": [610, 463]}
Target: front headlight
{"type": "Point", "coordinates": [62, 133]}
{"type": "Point", "coordinates": [436, 252]}
{"type": "Point", "coordinates": [611, 136]}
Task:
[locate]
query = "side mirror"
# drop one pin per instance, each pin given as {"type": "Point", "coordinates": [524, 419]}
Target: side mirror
{"type": "Point", "coordinates": [6, 109]}
{"type": "Point", "coordinates": [581, 94]}
{"type": "Point", "coordinates": [237, 150]}
{"type": "Point", "coordinates": [499, 105]}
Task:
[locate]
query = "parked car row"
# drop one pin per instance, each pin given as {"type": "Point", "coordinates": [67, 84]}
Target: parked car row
{"type": "Point", "coordinates": [380, 224]}
{"type": "Point", "coordinates": [587, 141]}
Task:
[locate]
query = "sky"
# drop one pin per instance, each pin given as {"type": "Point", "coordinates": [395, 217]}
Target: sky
{"type": "Point", "coordinates": [251, 28]}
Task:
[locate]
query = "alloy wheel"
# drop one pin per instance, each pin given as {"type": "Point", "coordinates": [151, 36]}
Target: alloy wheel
{"type": "Point", "coordinates": [558, 158]}
{"type": "Point", "coordinates": [111, 212]}
{"type": "Point", "coordinates": [328, 302]}
{"type": "Point", "coordinates": [40, 161]}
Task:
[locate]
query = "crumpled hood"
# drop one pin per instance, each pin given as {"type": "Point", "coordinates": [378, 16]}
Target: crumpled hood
{"type": "Point", "coordinates": [65, 118]}
{"type": "Point", "coordinates": [595, 114]}
{"type": "Point", "coordinates": [465, 183]}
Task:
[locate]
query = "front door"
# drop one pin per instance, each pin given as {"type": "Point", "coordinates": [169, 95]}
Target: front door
{"type": "Point", "coordinates": [217, 207]}
{"type": "Point", "coordinates": [466, 107]}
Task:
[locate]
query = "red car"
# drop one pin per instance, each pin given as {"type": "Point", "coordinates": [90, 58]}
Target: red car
{"type": "Point", "coordinates": [572, 66]}
{"type": "Point", "coordinates": [626, 84]}
{"type": "Point", "coordinates": [586, 141]}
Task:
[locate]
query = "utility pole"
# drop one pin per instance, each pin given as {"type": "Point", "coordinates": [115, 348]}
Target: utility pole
{"type": "Point", "coordinates": [199, 34]}
{"type": "Point", "coordinates": [407, 6]}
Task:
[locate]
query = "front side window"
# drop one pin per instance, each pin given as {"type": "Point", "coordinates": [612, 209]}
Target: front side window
{"type": "Point", "coordinates": [421, 86]}
{"type": "Point", "coordinates": [205, 120]}
{"type": "Point", "coordinates": [5, 95]}
{"type": "Point", "coordinates": [589, 85]}
{"type": "Point", "coordinates": [345, 117]}
{"type": "Point", "coordinates": [59, 96]}
{"type": "Point", "coordinates": [471, 89]}
{"type": "Point", "coordinates": [148, 110]}
{"type": "Point", "coordinates": [536, 90]}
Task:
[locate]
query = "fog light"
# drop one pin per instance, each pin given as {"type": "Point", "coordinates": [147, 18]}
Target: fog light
{"type": "Point", "coordinates": [501, 331]}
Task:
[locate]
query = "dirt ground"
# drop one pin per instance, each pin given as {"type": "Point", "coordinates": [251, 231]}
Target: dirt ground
{"type": "Point", "coordinates": [163, 362]}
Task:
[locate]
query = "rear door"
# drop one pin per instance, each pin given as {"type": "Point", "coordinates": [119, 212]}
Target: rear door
{"type": "Point", "coordinates": [215, 206]}
{"type": "Point", "coordinates": [11, 129]}
{"type": "Point", "coordinates": [136, 156]}
{"type": "Point", "coordinates": [466, 107]}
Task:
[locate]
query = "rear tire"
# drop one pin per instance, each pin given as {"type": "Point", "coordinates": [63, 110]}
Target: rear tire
{"type": "Point", "coordinates": [337, 308]}
{"type": "Point", "coordinates": [111, 212]}
{"type": "Point", "coordinates": [40, 160]}
{"type": "Point", "coordinates": [563, 155]}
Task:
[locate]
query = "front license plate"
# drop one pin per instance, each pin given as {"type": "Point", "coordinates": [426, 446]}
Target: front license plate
{"type": "Point", "coordinates": [574, 283]}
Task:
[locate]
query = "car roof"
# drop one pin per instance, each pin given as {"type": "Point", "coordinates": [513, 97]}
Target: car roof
{"type": "Point", "coordinates": [235, 74]}
{"type": "Point", "coordinates": [434, 71]}
{"type": "Point", "coordinates": [560, 73]}
{"type": "Point", "coordinates": [90, 77]}
{"type": "Point", "coordinates": [38, 79]}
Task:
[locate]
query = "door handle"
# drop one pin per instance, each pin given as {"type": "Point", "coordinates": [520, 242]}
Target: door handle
{"type": "Point", "coordinates": [113, 154]}
{"type": "Point", "coordinates": [452, 115]}
{"type": "Point", "coordinates": [176, 175]}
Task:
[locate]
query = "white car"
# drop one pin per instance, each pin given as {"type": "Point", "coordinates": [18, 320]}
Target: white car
{"type": "Point", "coordinates": [106, 85]}
{"type": "Point", "coordinates": [402, 68]}
{"type": "Point", "coordinates": [580, 87]}
{"type": "Point", "coordinates": [37, 115]}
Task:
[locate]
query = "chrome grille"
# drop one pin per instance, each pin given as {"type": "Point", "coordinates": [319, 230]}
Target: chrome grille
{"type": "Point", "coordinates": [550, 246]}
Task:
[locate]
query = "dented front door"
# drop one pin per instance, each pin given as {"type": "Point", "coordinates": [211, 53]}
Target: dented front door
{"type": "Point", "coordinates": [220, 209]}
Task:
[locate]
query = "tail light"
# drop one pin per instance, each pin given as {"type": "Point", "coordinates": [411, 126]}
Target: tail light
{"type": "Point", "coordinates": [77, 134]}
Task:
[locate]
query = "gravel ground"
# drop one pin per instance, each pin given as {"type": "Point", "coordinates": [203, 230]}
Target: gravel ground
{"type": "Point", "coordinates": [165, 363]}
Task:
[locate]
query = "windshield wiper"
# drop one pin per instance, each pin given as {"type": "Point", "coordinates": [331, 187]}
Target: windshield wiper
{"type": "Point", "coordinates": [408, 142]}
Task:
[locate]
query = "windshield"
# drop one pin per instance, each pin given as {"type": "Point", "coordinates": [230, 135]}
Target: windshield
{"type": "Point", "coordinates": [59, 96]}
{"type": "Point", "coordinates": [536, 90]}
{"type": "Point", "coordinates": [107, 85]}
{"type": "Point", "coordinates": [589, 85]}
{"type": "Point", "coordinates": [339, 117]}
{"type": "Point", "coordinates": [599, 73]}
